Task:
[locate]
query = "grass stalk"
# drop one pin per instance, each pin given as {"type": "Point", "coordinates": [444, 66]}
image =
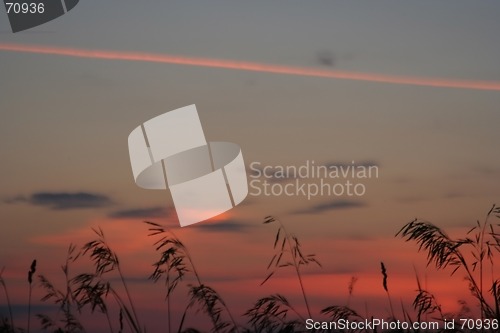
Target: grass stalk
{"type": "Point", "coordinates": [31, 272]}
{"type": "Point", "coordinates": [298, 259]}
{"type": "Point", "coordinates": [444, 252]}
{"type": "Point", "coordinates": [173, 258]}
{"type": "Point", "coordinates": [198, 279]}
{"type": "Point", "coordinates": [9, 305]}
{"type": "Point", "coordinates": [350, 288]}
{"type": "Point", "coordinates": [299, 276]}
{"type": "Point", "coordinates": [169, 316]}
{"type": "Point", "coordinates": [127, 292]}
{"type": "Point", "coordinates": [384, 284]}
{"type": "Point", "coordinates": [105, 261]}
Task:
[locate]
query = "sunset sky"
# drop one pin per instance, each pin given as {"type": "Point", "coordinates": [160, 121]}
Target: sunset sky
{"type": "Point", "coordinates": [65, 165]}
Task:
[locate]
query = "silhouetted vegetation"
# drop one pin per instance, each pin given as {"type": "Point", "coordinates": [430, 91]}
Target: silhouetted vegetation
{"type": "Point", "coordinates": [99, 290]}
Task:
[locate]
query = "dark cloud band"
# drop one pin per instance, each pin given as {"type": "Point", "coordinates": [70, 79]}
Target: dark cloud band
{"type": "Point", "coordinates": [64, 200]}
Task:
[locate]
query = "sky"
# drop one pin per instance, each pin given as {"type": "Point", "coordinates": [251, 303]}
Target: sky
{"type": "Point", "coordinates": [65, 120]}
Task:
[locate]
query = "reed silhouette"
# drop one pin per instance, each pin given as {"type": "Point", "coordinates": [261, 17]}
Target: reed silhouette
{"type": "Point", "coordinates": [105, 286]}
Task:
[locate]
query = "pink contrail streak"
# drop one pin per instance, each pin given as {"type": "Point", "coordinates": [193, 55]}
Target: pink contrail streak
{"type": "Point", "coordinates": [252, 66]}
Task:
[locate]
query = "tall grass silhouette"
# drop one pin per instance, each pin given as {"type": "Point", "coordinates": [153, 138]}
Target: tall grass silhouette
{"type": "Point", "coordinates": [174, 263]}
{"type": "Point", "coordinates": [8, 325]}
{"type": "Point", "coordinates": [64, 299]}
{"type": "Point", "coordinates": [473, 254]}
{"type": "Point", "coordinates": [383, 270]}
{"type": "Point", "coordinates": [105, 261]}
{"type": "Point", "coordinates": [31, 272]}
{"type": "Point", "coordinates": [269, 314]}
{"type": "Point", "coordinates": [104, 288]}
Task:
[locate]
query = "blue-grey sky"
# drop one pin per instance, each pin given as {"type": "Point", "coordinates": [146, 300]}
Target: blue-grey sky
{"type": "Point", "coordinates": [65, 121]}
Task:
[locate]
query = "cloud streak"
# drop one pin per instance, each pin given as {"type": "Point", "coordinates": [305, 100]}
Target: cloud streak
{"type": "Point", "coordinates": [141, 213]}
{"type": "Point", "coordinates": [224, 226]}
{"type": "Point", "coordinates": [64, 200]}
{"type": "Point", "coordinates": [333, 205]}
{"type": "Point", "coordinates": [252, 66]}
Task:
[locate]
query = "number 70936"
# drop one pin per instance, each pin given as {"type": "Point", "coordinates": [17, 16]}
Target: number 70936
{"type": "Point", "coordinates": [25, 8]}
{"type": "Point", "coordinates": [478, 324]}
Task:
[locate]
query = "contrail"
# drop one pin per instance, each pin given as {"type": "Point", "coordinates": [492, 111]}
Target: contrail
{"type": "Point", "coordinates": [252, 66]}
